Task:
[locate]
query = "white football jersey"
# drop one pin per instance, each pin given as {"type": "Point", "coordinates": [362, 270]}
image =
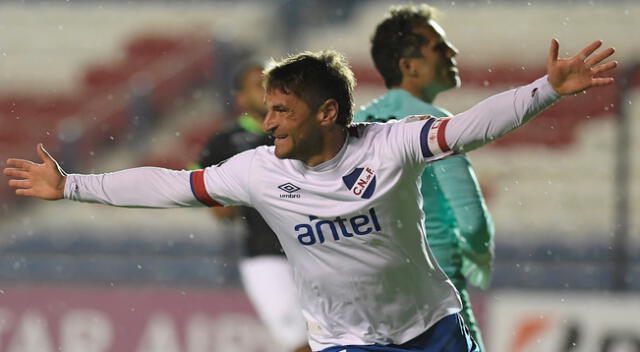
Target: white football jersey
{"type": "Point", "coordinates": [352, 227]}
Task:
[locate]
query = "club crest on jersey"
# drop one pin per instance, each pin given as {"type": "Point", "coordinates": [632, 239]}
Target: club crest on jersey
{"type": "Point", "coordinates": [361, 182]}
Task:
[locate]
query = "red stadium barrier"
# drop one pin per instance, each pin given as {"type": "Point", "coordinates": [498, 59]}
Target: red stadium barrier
{"type": "Point", "coordinates": [114, 319]}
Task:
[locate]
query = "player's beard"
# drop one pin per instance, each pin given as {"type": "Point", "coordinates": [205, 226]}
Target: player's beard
{"type": "Point", "coordinates": [450, 77]}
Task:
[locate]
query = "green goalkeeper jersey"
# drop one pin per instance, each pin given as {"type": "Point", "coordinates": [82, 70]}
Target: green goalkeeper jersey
{"type": "Point", "coordinates": [458, 225]}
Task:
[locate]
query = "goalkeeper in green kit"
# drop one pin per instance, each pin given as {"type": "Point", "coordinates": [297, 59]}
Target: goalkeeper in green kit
{"type": "Point", "coordinates": [417, 62]}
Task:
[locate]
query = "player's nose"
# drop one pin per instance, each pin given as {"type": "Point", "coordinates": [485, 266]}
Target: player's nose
{"type": "Point", "coordinates": [452, 51]}
{"type": "Point", "coordinates": [269, 124]}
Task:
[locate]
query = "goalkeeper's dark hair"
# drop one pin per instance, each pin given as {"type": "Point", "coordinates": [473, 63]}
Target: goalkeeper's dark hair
{"type": "Point", "coordinates": [394, 38]}
{"type": "Point", "coordinates": [315, 77]}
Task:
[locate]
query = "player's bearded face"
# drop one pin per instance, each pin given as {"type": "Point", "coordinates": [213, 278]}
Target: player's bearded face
{"type": "Point", "coordinates": [293, 126]}
{"type": "Point", "coordinates": [439, 70]}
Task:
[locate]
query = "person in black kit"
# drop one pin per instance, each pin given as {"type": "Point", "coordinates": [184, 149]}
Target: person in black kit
{"type": "Point", "coordinates": [264, 270]}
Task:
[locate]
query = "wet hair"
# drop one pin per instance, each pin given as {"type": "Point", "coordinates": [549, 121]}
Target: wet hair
{"type": "Point", "coordinates": [315, 78]}
{"type": "Point", "coordinates": [394, 38]}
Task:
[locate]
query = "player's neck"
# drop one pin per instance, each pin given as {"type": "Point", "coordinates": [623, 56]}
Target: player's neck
{"type": "Point", "coordinates": [332, 142]}
{"type": "Point", "coordinates": [426, 95]}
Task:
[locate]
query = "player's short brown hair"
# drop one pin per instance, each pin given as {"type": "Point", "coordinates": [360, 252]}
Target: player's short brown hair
{"type": "Point", "coordinates": [315, 77]}
{"type": "Point", "coordinates": [394, 38]}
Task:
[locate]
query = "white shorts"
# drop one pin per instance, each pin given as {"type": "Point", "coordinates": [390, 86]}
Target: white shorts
{"type": "Point", "coordinates": [268, 281]}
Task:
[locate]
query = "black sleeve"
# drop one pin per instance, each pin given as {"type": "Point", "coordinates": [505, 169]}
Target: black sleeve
{"type": "Point", "coordinates": [217, 149]}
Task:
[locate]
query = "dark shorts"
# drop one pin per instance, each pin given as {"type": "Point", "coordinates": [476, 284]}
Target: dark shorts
{"type": "Point", "coordinates": [447, 335]}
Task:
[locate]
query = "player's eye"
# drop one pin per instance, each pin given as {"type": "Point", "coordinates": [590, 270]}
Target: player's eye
{"type": "Point", "coordinates": [441, 47]}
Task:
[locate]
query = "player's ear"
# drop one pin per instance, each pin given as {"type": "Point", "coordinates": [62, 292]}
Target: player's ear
{"type": "Point", "coordinates": [406, 66]}
{"type": "Point", "coordinates": [328, 112]}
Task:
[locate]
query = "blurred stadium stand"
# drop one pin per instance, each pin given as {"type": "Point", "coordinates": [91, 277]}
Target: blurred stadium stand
{"type": "Point", "coordinates": [132, 261]}
{"type": "Point", "coordinates": [152, 95]}
{"type": "Point", "coordinates": [114, 84]}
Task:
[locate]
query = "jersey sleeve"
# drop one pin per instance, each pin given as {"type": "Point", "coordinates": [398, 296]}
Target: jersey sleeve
{"type": "Point", "coordinates": [427, 138]}
{"type": "Point", "coordinates": [416, 139]}
{"type": "Point", "coordinates": [498, 115]}
{"type": "Point", "coordinates": [460, 188]}
{"type": "Point", "coordinates": [216, 151]}
{"type": "Point", "coordinates": [153, 187]}
{"type": "Point", "coordinates": [146, 187]}
{"type": "Point", "coordinates": [226, 183]}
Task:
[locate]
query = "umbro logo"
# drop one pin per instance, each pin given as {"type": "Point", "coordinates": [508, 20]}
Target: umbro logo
{"type": "Point", "coordinates": [361, 182]}
{"type": "Point", "coordinates": [290, 188]}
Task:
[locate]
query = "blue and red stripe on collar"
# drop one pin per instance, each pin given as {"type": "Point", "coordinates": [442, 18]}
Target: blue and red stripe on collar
{"type": "Point", "coordinates": [200, 190]}
{"type": "Point", "coordinates": [432, 138]}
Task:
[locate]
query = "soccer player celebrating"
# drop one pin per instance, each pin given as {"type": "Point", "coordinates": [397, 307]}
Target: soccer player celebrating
{"type": "Point", "coordinates": [342, 199]}
{"type": "Point", "coordinates": [417, 62]}
{"type": "Point", "coordinates": [265, 272]}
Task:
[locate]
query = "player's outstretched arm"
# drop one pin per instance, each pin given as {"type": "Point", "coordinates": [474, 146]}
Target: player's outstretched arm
{"type": "Point", "coordinates": [500, 114]}
{"type": "Point", "coordinates": [149, 187]}
{"type": "Point", "coordinates": [31, 179]}
{"type": "Point", "coordinates": [580, 72]}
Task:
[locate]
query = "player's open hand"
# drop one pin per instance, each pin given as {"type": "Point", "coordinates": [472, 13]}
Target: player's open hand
{"type": "Point", "coordinates": [44, 180]}
{"type": "Point", "coordinates": [578, 73]}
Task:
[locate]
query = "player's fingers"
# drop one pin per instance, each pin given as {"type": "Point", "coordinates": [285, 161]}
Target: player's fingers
{"type": "Point", "coordinates": [27, 192]}
{"type": "Point", "coordinates": [15, 173]}
{"type": "Point", "coordinates": [599, 82]}
{"type": "Point", "coordinates": [604, 67]}
{"type": "Point", "coordinates": [589, 49]}
{"type": "Point", "coordinates": [553, 50]}
{"type": "Point", "coordinates": [597, 58]}
{"type": "Point", "coordinates": [20, 183]}
{"type": "Point", "coordinates": [20, 163]}
{"type": "Point", "coordinates": [44, 154]}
